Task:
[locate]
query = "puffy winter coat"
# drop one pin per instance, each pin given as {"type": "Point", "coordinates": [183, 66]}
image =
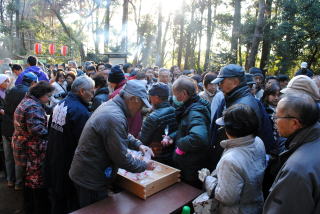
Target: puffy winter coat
{"type": "Point", "coordinates": [191, 137]}
{"type": "Point", "coordinates": [163, 117]}
{"type": "Point", "coordinates": [239, 175]}
{"type": "Point", "coordinates": [36, 70]}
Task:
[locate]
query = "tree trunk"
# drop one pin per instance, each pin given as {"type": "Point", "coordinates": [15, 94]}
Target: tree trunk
{"type": "Point", "coordinates": [188, 54]}
{"type": "Point", "coordinates": [235, 31]}
{"type": "Point", "coordinates": [200, 40]}
{"type": "Point", "coordinates": [97, 32]}
{"type": "Point", "coordinates": [209, 35]}
{"type": "Point", "coordinates": [181, 40]}
{"type": "Point", "coordinates": [69, 32]}
{"type": "Point", "coordinates": [312, 59]}
{"type": "Point", "coordinates": [257, 36]}
{"type": "Point", "coordinates": [159, 36]}
{"type": "Point", "coordinates": [164, 42]}
{"type": "Point", "coordinates": [107, 27]}
{"type": "Point", "coordinates": [124, 31]}
{"type": "Point", "coordinates": [267, 40]}
{"type": "Point", "coordinates": [1, 11]}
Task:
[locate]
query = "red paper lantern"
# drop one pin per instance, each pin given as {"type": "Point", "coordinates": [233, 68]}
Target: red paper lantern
{"type": "Point", "coordinates": [37, 48]}
{"type": "Point", "coordinates": [64, 50]}
{"type": "Point", "coordinates": [52, 49]}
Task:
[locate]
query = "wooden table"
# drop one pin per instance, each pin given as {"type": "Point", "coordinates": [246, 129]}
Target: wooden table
{"type": "Point", "coordinates": [165, 201]}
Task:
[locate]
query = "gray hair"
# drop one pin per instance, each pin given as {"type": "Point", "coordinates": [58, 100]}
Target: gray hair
{"type": "Point", "coordinates": [84, 82]}
{"type": "Point", "coordinates": [73, 63]}
{"type": "Point", "coordinates": [303, 107]}
{"type": "Point", "coordinates": [185, 83]}
{"type": "Point", "coordinates": [164, 71]}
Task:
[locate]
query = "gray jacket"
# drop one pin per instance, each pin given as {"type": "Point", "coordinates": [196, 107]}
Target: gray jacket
{"type": "Point", "coordinates": [237, 180]}
{"type": "Point", "coordinates": [297, 185]}
{"type": "Point", "coordinates": [103, 144]}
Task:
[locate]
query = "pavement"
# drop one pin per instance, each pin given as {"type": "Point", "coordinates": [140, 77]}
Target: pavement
{"type": "Point", "coordinates": [11, 201]}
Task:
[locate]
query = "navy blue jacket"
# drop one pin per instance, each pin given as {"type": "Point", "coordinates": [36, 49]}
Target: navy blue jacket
{"type": "Point", "coordinates": [67, 122]}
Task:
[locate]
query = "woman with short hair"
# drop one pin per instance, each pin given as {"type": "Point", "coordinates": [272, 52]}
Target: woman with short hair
{"type": "Point", "coordinates": [60, 89]}
{"type": "Point", "coordinates": [29, 143]}
{"type": "Point", "coordinates": [236, 183]}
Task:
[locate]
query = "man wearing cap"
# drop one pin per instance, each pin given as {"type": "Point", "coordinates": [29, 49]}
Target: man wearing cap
{"type": "Point", "coordinates": [259, 79]}
{"type": "Point", "coordinates": [304, 70]}
{"type": "Point", "coordinates": [103, 145]}
{"type": "Point", "coordinates": [12, 99]}
{"type": "Point", "coordinates": [232, 83]}
{"type": "Point", "coordinates": [162, 121]}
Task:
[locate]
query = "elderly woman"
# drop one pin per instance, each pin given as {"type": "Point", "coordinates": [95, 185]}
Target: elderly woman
{"type": "Point", "coordinates": [236, 184]}
{"type": "Point", "coordinates": [29, 143]}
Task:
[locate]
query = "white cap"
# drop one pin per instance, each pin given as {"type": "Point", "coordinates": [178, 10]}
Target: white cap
{"type": "Point", "coordinates": [304, 65]}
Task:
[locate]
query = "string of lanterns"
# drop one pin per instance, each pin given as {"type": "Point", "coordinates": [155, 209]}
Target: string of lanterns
{"type": "Point", "coordinates": [52, 49]}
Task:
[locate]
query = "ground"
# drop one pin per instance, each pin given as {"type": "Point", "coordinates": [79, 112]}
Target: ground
{"type": "Point", "coordinates": [11, 202]}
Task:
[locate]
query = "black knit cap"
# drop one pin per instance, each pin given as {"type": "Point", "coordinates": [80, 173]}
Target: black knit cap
{"type": "Point", "coordinates": [116, 75]}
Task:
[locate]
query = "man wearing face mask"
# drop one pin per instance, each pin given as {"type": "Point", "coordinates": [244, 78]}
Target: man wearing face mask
{"type": "Point", "coordinates": [68, 119]}
{"type": "Point", "coordinates": [104, 142]}
{"type": "Point", "coordinates": [191, 137]}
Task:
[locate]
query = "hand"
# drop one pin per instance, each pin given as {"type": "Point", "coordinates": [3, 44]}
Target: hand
{"type": "Point", "coordinates": [1, 111]}
{"type": "Point", "coordinates": [146, 151]}
{"type": "Point", "coordinates": [150, 165]}
{"type": "Point", "coordinates": [203, 173]}
{"type": "Point", "coordinates": [166, 141]}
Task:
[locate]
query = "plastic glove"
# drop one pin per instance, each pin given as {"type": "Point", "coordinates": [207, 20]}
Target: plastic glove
{"type": "Point", "coordinates": [166, 141]}
{"type": "Point", "coordinates": [203, 173]}
{"type": "Point", "coordinates": [146, 151]}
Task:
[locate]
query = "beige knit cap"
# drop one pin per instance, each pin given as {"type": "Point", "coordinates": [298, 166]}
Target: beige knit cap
{"type": "Point", "coordinates": [302, 84]}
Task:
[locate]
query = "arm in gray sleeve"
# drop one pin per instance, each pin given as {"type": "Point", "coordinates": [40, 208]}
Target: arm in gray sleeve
{"type": "Point", "coordinates": [133, 143]}
{"type": "Point", "coordinates": [116, 143]}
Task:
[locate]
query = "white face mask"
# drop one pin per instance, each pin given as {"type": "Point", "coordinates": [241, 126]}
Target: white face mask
{"type": "Point", "coordinates": [110, 89]}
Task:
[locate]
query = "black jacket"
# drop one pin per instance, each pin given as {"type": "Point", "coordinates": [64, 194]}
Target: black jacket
{"type": "Point", "coordinates": [12, 100]}
{"type": "Point", "coordinates": [192, 137]}
{"type": "Point", "coordinates": [163, 117]}
{"type": "Point", "coordinates": [101, 95]}
{"type": "Point", "coordinates": [242, 95]}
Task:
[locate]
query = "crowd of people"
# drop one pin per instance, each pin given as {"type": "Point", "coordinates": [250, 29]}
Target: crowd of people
{"type": "Point", "coordinates": [250, 141]}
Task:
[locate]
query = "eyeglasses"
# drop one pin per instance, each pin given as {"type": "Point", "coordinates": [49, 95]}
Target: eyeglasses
{"type": "Point", "coordinates": [274, 118]}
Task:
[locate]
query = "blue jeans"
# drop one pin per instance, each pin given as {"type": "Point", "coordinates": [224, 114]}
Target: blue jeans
{"type": "Point", "coordinates": [14, 172]}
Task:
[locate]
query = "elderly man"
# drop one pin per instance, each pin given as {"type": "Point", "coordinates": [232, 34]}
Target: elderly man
{"type": "Point", "coordinates": [68, 120]}
{"type": "Point", "coordinates": [296, 188]}
{"type": "Point", "coordinates": [164, 77]}
{"type": "Point", "coordinates": [191, 138]}
{"type": "Point", "coordinates": [104, 143]}
{"type": "Point", "coordinates": [232, 83]}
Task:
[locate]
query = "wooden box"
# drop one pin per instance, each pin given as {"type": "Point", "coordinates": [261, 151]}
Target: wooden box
{"type": "Point", "coordinates": [160, 179]}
